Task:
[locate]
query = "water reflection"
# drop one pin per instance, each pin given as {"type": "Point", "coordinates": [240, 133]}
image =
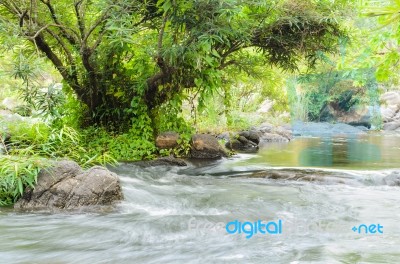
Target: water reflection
{"type": "Point", "coordinates": [353, 152]}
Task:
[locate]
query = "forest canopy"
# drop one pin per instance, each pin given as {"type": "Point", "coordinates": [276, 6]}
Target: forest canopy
{"type": "Point", "coordinates": [124, 60]}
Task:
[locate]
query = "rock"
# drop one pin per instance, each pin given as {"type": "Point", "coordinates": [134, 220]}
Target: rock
{"type": "Point", "coordinates": [9, 118]}
{"type": "Point", "coordinates": [167, 140]}
{"type": "Point", "coordinates": [206, 146]}
{"type": "Point", "coordinates": [389, 113]}
{"type": "Point", "coordinates": [164, 161]}
{"type": "Point", "coordinates": [287, 126]}
{"type": "Point", "coordinates": [242, 144]}
{"type": "Point", "coordinates": [362, 128]}
{"type": "Point", "coordinates": [397, 116]}
{"type": "Point", "coordinates": [390, 110]}
{"type": "Point", "coordinates": [5, 112]}
{"type": "Point", "coordinates": [10, 103]}
{"type": "Point", "coordinates": [284, 132]}
{"type": "Point", "coordinates": [265, 128]}
{"type": "Point", "coordinates": [251, 135]}
{"type": "Point", "coordinates": [67, 186]}
{"type": "Point", "coordinates": [265, 106]}
{"type": "Point", "coordinates": [268, 137]}
{"type": "Point", "coordinates": [391, 98]}
{"type": "Point", "coordinates": [346, 109]}
{"type": "Point", "coordinates": [4, 138]}
{"type": "Point", "coordinates": [244, 141]}
{"type": "Point", "coordinates": [356, 117]}
{"type": "Point", "coordinates": [391, 126]}
{"type": "Point", "coordinates": [224, 136]}
{"type": "Point", "coordinates": [392, 179]}
{"type": "Point", "coordinates": [308, 175]}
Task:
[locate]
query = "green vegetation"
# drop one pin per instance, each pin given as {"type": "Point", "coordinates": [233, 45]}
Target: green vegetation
{"type": "Point", "coordinates": [97, 81]}
{"type": "Point", "coordinates": [123, 60]}
{"type": "Point", "coordinates": [16, 174]}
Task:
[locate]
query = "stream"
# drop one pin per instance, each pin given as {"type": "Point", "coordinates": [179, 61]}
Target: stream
{"type": "Point", "coordinates": [319, 188]}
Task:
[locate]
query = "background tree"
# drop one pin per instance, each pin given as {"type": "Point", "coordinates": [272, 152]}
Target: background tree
{"type": "Point", "coordinates": [125, 59]}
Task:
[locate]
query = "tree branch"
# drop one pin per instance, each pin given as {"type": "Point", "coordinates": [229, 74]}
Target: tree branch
{"type": "Point", "coordinates": [100, 20]}
{"type": "Point", "coordinates": [80, 17]}
{"type": "Point", "coordinates": [46, 49]}
{"type": "Point", "coordinates": [72, 40]}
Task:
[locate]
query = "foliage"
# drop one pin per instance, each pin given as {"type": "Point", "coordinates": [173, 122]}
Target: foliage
{"type": "Point", "coordinates": [129, 67]}
{"type": "Point", "coordinates": [17, 173]}
{"type": "Point", "coordinates": [123, 147]}
{"type": "Point", "coordinates": [115, 53]}
{"type": "Point", "coordinates": [311, 94]}
{"type": "Point", "coordinates": [376, 41]}
{"type": "Point", "coordinates": [39, 139]}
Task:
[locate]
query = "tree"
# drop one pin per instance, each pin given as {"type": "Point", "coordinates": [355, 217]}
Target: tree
{"type": "Point", "coordinates": [124, 59]}
{"type": "Point", "coordinates": [385, 42]}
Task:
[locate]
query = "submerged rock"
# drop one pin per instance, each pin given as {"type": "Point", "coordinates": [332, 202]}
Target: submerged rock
{"type": "Point", "coordinates": [205, 146]}
{"type": "Point", "coordinates": [164, 161]}
{"type": "Point", "coordinates": [67, 186]}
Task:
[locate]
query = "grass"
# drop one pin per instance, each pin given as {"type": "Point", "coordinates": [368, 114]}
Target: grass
{"type": "Point", "coordinates": [17, 173]}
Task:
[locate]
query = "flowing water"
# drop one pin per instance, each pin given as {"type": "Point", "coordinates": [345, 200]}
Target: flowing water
{"type": "Point", "coordinates": [319, 188]}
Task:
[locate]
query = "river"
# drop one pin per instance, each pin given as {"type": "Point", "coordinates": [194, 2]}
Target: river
{"type": "Point", "coordinates": [318, 188]}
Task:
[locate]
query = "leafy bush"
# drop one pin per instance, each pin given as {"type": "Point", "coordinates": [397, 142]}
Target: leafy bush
{"type": "Point", "coordinates": [16, 173]}
{"type": "Point", "coordinates": [127, 147]}
{"type": "Point", "coordinates": [42, 140]}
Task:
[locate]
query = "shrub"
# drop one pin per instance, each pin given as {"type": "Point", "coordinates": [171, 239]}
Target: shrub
{"type": "Point", "coordinates": [16, 173]}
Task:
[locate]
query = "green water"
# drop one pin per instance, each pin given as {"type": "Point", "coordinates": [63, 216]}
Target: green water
{"type": "Point", "coordinates": [177, 215]}
{"type": "Point", "coordinates": [370, 152]}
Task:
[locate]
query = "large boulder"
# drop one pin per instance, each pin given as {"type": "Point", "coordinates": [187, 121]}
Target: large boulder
{"type": "Point", "coordinates": [205, 146]}
{"type": "Point", "coordinates": [391, 126]}
{"type": "Point", "coordinates": [167, 140]}
{"type": "Point", "coordinates": [391, 98]}
{"type": "Point", "coordinates": [390, 110]}
{"type": "Point", "coordinates": [271, 133]}
{"type": "Point", "coordinates": [66, 186]}
{"type": "Point", "coordinates": [357, 115]}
